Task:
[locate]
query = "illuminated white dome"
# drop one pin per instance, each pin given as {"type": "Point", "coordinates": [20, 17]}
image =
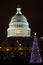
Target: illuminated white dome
{"type": "Point", "coordinates": [18, 25]}
{"type": "Point", "coordinates": [18, 18]}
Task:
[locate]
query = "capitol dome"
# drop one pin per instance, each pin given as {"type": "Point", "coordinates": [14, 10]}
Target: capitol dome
{"type": "Point", "coordinates": [18, 18]}
{"type": "Point", "coordinates": [18, 25]}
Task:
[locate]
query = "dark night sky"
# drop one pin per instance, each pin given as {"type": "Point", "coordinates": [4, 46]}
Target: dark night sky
{"type": "Point", "coordinates": [32, 9]}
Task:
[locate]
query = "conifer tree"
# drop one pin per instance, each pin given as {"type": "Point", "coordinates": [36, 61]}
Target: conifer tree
{"type": "Point", "coordinates": [35, 54]}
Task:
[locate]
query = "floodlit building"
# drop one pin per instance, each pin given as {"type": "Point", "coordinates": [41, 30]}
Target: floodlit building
{"type": "Point", "coordinates": [18, 27]}
{"type": "Point", "coordinates": [20, 32]}
{"type": "Point", "coordinates": [18, 37]}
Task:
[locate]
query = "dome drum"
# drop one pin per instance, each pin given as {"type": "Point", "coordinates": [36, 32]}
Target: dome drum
{"type": "Point", "coordinates": [19, 25]}
{"type": "Point", "coordinates": [19, 32]}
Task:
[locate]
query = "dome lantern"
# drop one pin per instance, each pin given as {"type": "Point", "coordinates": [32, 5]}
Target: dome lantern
{"type": "Point", "coordinates": [18, 10]}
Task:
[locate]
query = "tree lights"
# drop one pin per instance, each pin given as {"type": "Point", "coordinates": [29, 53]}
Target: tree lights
{"type": "Point", "coordinates": [35, 54]}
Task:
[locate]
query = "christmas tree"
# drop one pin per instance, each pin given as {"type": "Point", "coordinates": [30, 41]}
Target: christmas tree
{"type": "Point", "coordinates": [35, 54]}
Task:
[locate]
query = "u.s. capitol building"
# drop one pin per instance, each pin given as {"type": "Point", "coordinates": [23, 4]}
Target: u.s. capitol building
{"type": "Point", "coordinates": [18, 37]}
{"type": "Point", "coordinates": [18, 27]}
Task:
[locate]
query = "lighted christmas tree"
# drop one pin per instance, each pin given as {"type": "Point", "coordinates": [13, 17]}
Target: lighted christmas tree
{"type": "Point", "coordinates": [35, 54]}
